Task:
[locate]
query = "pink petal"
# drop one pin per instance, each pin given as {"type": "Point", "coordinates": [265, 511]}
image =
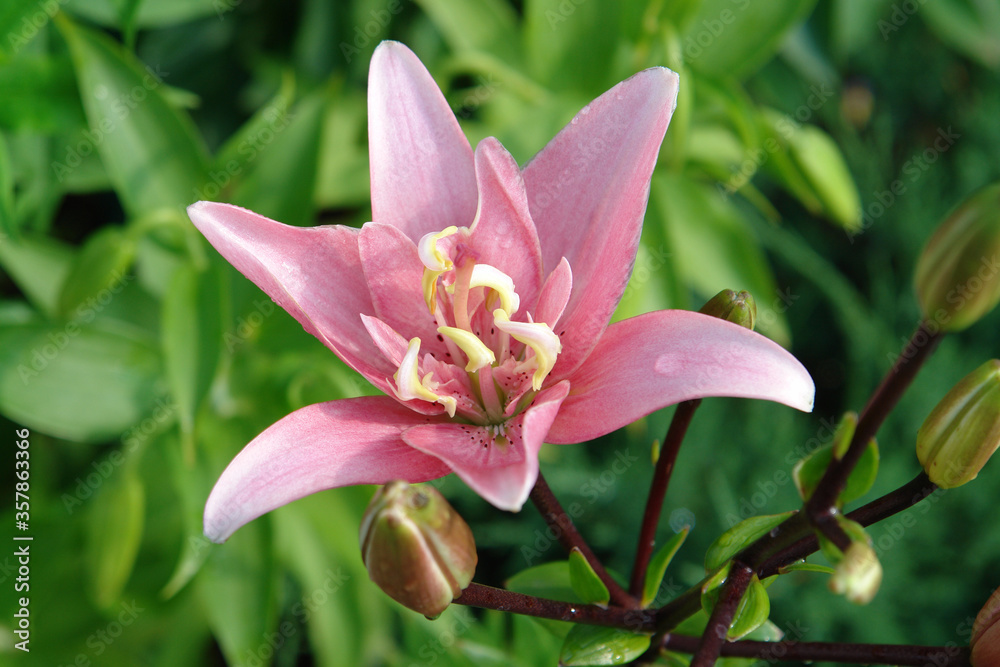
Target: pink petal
{"type": "Point", "coordinates": [394, 272]}
{"type": "Point", "coordinates": [554, 295]}
{"type": "Point", "coordinates": [588, 189]}
{"type": "Point", "coordinates": [422, 172]}
{"type": "Point", "coordinates": [502, 474]}
{"type": "Point", "coordinates": [322, 446]}
{"type": "Point", "coordinates": [314, 273]}
{"type": "Point", "coordinates": [648, 362]}
{"type": "Point", "coordinates": [504, 235]}
{"type": "Point", "coordinates": [393, 348]}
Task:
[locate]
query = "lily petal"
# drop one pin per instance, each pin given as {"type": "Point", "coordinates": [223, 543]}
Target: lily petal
{"type": "Point", "coordinates": [504, 235]}
{"type": "Point", "coordinates": [587, 191]}
{"type": "Point", "coordinates": [422, 173]}
{"type": "Point", "coordinates": [314, 273]}
{"type": "Point", "coordinates": [503, 474]}
{"type": "Point", "coordinates": [555, 294]}
{"type": "Point", "coordinates": [322, 446]}
{"type": "Point", "coordinates": [651, 361]}
{"type": "Point", "coordinates": [394, 274]}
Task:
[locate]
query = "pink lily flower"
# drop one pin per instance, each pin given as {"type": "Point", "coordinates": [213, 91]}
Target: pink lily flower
{"type": "Point", "coordinates": [478, 300]}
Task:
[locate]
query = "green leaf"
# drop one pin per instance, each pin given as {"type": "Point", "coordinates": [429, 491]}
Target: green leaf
{"type": "Point", "coordinates": [733, 38]}
{"type": "Point", "coordinates": [98, 271]}
{"type": "Point", "coordinates": [548, 580]}
{"type": "Point", "coordinates": [236, 589]}
{"type": "Point", "coordinates": [806, 567]}
{"type": "Point", "coordinates": [488, 26]}
{"type": "Point", "coordinates": [152, 152]}
{"type": "Point", "coordinates": [281, 164]}
{"type": "Point", "coordinates": [18, 25]}
{"type": "Point", "coordinates": [152, 14]}
{"type": "Point", "coordinates": [713, 249]}
{"type": "Point", "coordinates": [658, 566]}
{"type": "Point", "coordinates": [824, 168]}
{"type": "Point", "coordinates": [40, 95]}
{"type": "Point", "coordinates": [78, 381]}
{"type": "Point", "coordinates": [971, 28]}
{"type": "Point", "coordinates": [194, 310]}
{"type": "Point", "coordinates": [114, 535]}
{"type": "Point", "coordinates": [38, 266]}
{"type": "Point", "coordinates": [7, 226]}
{"type": "Point", "coordinates": [585, 581]}
{"type": "Point", "coordinates": [739, 537]}
{"type": "Point", "coordinates": [752, 612]}
{"type": "Point", "coordinates": [592, 645]}
{"type": "Point", "coordinates": [808, 472]}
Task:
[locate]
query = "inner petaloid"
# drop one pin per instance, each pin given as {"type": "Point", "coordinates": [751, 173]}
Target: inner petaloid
{"type": "Point", "coordinates": [506, 360]}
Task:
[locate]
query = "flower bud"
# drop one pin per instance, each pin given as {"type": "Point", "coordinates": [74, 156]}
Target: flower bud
{"type": "Point", "coordinates": [858, 575]}
{"type": "Point", "coordinates": [958, 274]}
{"type": "Point", "coordinates": [986, 634]}
{"type": "Point", "coordinates": [416, 547]}
{"type": "Point", "coordinates": [738, 308]}
{"type": "Point", "coordinates": [963, 430]}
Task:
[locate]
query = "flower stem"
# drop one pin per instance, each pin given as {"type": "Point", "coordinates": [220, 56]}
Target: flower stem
{"type": "Point", "coordinates": [487, 597]}
{"type": "Point", "coordinates": [821, 505]}
{"type": "Point", "coordinates": [863, 654]}
{"type": "Point", "coordinates": [658, 490]}
{"type": "Point", "coordinates": [712, 640]}
{"type": "Point", "coordinates": [557, 519]}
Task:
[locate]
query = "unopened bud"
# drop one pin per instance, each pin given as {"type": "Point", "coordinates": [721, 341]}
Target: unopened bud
{"type": "Point", "coordinates": [958, 274]}
{"type": "Point", "coordinates": [986, 634]}
{"type": "Point", "coordinates": [858, 575]}
{"type": "Point", "coordinates": [416, 547]}
{"type": "Point", "coordinates": [962, 432]}
{"type": "Point", "coordinates": [738, 308]}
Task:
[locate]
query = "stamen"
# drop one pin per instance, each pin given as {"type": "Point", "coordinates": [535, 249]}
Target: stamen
{"type": "Point", "coordinates": [429, 254]}
{"type": "Point", "coordinates": [410, 386]}
{"type": "Point", "coordinates": [479, 355]}
{"type": "Point", "coordinates": [484, 275]}
{"type": "Point", "coordinates": [539, 337]}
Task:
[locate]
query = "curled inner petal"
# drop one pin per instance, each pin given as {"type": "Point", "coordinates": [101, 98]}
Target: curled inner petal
{"type": "Point", "coordinates": [539, 337]}
{"type": "Point", "coordinates": [479, 355]}
{"type": "Point", "coordinates": [484, 275]}
{"type": "Point", "coordinates": [430, 254]}
{"type": "Point", "coordinates": [409, 384]}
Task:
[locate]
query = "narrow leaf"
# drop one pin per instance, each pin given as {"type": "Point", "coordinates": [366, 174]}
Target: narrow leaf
{"type": "Point", "coordinates": [592, 645]}
{"type": "Point", "coordinates": [585, 581]}
{"type": "Point", "coordinates": [658, 565]}
{"type": "Point", "coordinates": [739, 537]}
{"type": "Point", "coordinates": [99, 266]}
{"type": "Point", "coordinates": [115, 531]}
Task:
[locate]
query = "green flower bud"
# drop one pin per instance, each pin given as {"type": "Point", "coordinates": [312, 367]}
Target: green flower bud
{"type": "Point", "coordinates": [416, 547]}
{"type": "Point", "coordinates": [858, 575]}
{"type": "Point", "coordinates": [738, 308]}
{"type": "Point", "coordinates": [958, 274]}
{"type": "Point", "coordinates": [986, 634]}
{"type": "Point", "coordinates": [962, 432]}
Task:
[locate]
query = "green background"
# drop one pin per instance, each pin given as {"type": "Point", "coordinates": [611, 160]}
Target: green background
{"type": "Point", "coordinates": [801, 165]}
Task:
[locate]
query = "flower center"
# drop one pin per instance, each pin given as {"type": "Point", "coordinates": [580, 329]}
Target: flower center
{"type": "Point", "coordinates": [506, 360]}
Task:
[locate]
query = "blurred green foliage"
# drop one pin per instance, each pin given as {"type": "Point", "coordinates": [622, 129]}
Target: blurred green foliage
{"type": "Point", "coordinates": [815, 146]}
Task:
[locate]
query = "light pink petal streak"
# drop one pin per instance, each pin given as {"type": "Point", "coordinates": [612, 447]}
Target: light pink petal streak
{"type": "Point", "coordinates": [394, 272]}
{"type": "Point", "coordinates": [651, 361]}
{"type": "Point", "coordinates": [314, 273]}
{"type": "Point", "coordinates": [587, 191]}
{"type": "Point", "coordinates": [422, 172]}
{"type": "Point", "coordinates": [322, 446]}
{"type": "Point", "coordinates": [502, 474]}
{"type": "Point", "coordinates": [554, 295]}
{"type": "Point", "coordinates": [504, 235]}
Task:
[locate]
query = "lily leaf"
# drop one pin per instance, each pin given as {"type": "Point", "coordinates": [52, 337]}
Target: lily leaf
{"type": "Point", "coordinates": [585, 581]}
{"type": "Point", "coordinates": [115, 531]}
{"type": "Point", "coordinates": [658, 565]}
{"type": "Point", "coordinates": [741, 536]}
{"type": "Point", "coordinates": [592, 645]}
{"type": "Point", "coordinates": [548, 580]}
{"type": "Point", "coordinates": [99, 266]}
